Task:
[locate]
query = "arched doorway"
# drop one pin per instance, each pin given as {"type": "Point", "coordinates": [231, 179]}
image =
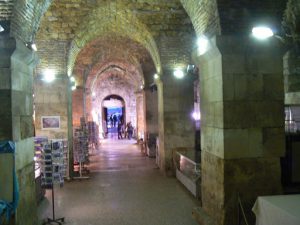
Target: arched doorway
{"type": "Point", "coordinates": [113, 112]}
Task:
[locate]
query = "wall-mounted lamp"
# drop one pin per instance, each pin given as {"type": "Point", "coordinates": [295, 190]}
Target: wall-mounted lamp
{"type": "Point", "coordinates": [262, 32]}
{"type": "Point", "coordinates": [203, 44]}
{"type": "Point", "coordinates": [73, 83]}
{"type": "Point", "coordinates": [49, 75]}
{"type": "Point", "coordinates": [178, 73]}
{"type": "Point", "coordinates": [31, 46]}
{"type": "Point", "coordinates": [196, 115]}
{"type": "Point", "coordinates": [1, 29]}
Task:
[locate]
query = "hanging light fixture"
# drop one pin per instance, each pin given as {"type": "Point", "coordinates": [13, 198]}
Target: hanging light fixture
{"type": "Point", "coordinates": [262, 32]}
{"type": "Point", "coordinates": [49, 75]}
{"type": "Point", "coordinates": [178, 73]}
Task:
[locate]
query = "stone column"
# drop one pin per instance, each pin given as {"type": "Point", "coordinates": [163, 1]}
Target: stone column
{"type": "Point", "coordinates": [242, 127]}
{"type": "Point", "coordinates": [176, 126]}
{"type": "Point", "coordinates": [151, 101]}
{"type": "Point", "coordinates": [16, 72]}
{"type": "Point", "coordinates": [140, 114]}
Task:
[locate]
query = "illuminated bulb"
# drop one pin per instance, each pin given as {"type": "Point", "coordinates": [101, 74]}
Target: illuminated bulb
{"type": "Point", "coordinates": [156, 76]}
{"type": "Point", "coordinates": [93, 94]}
{"type": "Point", "coordinates": [72, 79]}
{"type": "Point", "coordinates": [142, 86]}
{"type": "Point", "coordinates": [49, 75]}
{"type": "Point", "coordinates": [178, 74]}
{"type": "Point", "coordinates": [34, 48]}
{"type": "Point", "coordinates": [262, 32]}
{"type": "Point", "coordinates": [1, 29]}
{"type": "Point", "coordinates": [196, 115]}
{"type": "Point", "coordinates": [202, 44]}
{"type": "Point", "coordinates": [73, 88]}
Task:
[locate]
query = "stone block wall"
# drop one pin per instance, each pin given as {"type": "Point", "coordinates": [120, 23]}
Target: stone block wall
{"type": "Point", "coordinates": [16, 88]}
{"type": "Point", "coordinates": [242, 127]}
{"type": "Point", "coordinates": [51, 100]}
{"type": "Point", "coordinates": [291, 62]}
{"type": "Point", "coordinates": [176, 99]}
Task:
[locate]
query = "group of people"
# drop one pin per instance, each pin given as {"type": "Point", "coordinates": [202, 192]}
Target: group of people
{"type": "Point", "coordinates": [115, 120]}
{"type": "Point", "coordinates": [127, 130]}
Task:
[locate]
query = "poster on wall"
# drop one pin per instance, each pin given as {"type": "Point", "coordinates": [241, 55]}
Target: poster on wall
{"type": "Point", "coordinates": [50, 122]}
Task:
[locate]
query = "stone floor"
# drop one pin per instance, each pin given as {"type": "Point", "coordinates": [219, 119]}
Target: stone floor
{"type": "Point", "coordinates": [124, 188]}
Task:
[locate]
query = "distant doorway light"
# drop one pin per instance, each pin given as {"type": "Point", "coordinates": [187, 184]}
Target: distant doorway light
{"type": "Point", "coordinates": [262, 32]}
{"type": "Point", "coordinates": [49, 75]}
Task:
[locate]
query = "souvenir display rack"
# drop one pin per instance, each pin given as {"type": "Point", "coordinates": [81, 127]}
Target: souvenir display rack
{"type": "Point", "coordinates": [53, 171]}
{"type": "Point", "coordinates": [93, 134]}
{"type": "Point", "coordinates": [81, 148]}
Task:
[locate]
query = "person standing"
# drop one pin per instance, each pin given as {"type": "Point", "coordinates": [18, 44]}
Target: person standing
{"type": "Point", "coordinates": [129, 130]}
{"type": "Point", "coordinates": [120, 130]}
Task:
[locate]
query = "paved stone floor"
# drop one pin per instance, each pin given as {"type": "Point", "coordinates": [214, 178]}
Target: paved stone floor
{"type": "Point", "coordinates": [124, 188]}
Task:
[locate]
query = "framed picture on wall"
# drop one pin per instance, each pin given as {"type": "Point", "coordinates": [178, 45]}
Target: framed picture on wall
{"type": "Point", "coordinates": [50, 122]}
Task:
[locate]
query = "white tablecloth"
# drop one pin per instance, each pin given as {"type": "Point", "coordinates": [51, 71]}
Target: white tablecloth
{"type": "Point", "coordinates": [277, 210]}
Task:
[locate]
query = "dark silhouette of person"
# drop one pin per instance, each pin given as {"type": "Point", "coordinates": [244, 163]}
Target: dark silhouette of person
{"type": "Point", "coordinates": [115, 119]}
{"type": "Point", "coordinates": [120, 130]}
{"type": "Point", "coordinates": [129, 130]}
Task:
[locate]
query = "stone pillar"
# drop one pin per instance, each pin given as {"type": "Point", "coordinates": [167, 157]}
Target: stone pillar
{"type": "Point", "coordinates": [176, 126]}
{"type": "Point", "coordinates": [242, 127]}
{"type": "Point", "coordinates": [151, 102]}
{"type": "Point", "coordinates": [140, 114]}
{"type": "Point", "coordinates": [16, 71]}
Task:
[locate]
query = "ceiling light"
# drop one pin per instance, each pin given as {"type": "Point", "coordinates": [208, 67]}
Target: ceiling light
{"type": "Point", "coordinates": [1, 29]}
{"type": "Point", "coordinates": [202, 44]}
{"type": "Point", "coordinates": [49, 75]}
{"type": "Point", "coordinates": [262, 32]}
{"type": "Point", "coordinates": [178, 73]}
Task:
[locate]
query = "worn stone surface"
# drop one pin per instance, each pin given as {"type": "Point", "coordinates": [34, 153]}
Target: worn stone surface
{"type": "Point", "coordinates": [51, 100]}
{"type": "Point", "coordinates": [242, 138]}
{"type": "Point", "coordinates": [177, 129]}
{"type": "Point", "coordinates": [27, 208]}
{"type": "Point", "coordinates": [223, 180]}
{"type": "Point", "coordinates": [151, 101]}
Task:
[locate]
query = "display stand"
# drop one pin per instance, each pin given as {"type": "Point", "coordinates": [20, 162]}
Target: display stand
{"type": "Point", "coordinates": [53, 219]}
{"type": "Point", "coordinates": [53, 172]}
{"type": "Point", "coordinates": [81, 148]}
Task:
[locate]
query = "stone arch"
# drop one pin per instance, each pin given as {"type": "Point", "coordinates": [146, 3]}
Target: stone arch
{"type": "Point", "coordinates": [26, 18]}
{"type": "Point", "coordinates": [204, 16]}
{"type": "Point", "coordinates": [111, 19]}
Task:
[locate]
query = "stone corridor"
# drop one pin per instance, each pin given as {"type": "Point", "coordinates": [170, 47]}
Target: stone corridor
{"type": "Point", "coordinates": [125, 188]}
